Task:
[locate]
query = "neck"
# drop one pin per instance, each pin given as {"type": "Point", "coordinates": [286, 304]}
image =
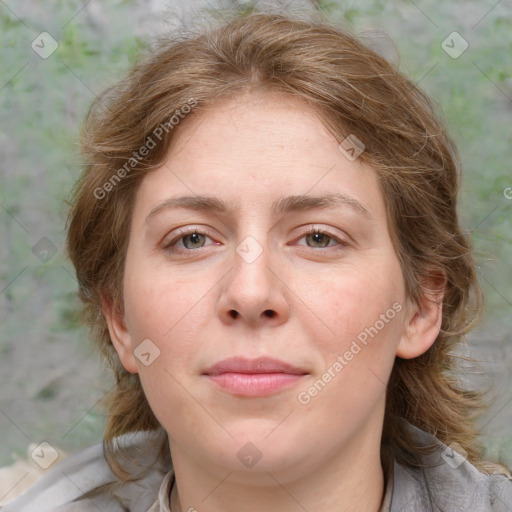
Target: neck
{"type": "Point", "coordinates": [351, 480]}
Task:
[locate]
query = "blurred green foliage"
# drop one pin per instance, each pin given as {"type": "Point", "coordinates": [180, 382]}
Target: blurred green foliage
{"type": "Point", "coordinates": [43, 102]}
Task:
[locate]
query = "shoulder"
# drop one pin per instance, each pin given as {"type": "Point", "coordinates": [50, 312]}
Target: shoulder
{"type": "Point", "coordinates": [448, 482]}
{"type": "Point", "coordinates": [84, 481]}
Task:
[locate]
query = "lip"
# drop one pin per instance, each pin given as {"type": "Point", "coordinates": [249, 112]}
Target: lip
{"type": "Point", "coordinates": [259, 365]}
{"type": "Point", "coordinates": [253, 377]}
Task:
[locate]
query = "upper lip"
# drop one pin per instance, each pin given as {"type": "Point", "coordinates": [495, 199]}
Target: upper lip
{"type": "Point", "coordinates": [259, 365]}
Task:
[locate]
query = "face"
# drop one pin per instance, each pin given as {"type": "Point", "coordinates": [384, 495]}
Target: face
{"type": "Point", "coordinates": [316, 285]}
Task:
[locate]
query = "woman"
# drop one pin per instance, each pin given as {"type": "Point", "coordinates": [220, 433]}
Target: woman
{"type": "Point", "coordinates": [268, 251]}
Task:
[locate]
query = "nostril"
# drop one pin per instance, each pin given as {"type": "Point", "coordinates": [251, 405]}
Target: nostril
{"type": "Point", "coordinates": [234, 313]}
{"type": "Point", "coordinates": [269, 313]}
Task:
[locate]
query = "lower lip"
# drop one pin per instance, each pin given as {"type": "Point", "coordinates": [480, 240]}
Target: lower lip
{"type": "Point", "coordinates": [254, 384]}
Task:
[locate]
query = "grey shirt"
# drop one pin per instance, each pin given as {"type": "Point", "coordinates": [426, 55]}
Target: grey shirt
{"type": "Point", "coordinates": [83, 482]}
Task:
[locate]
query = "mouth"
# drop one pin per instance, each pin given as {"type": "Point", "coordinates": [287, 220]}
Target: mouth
{"type": "Point", "coordinates": [253, 377]}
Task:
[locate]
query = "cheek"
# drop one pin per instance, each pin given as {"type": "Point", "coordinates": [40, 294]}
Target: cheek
{"type": "Point", "coordinates": [365, 315]}
{"type": "Point", "coordinates": [172, 313]}
{"type": "Point", "coordinates": [355, 300]}
{"type": "Point", "coordinates": [361, 318]}
{"type": "Point", "coordinates": [159, 305]}
{"type": "Point", "coordinates": [164, 311]}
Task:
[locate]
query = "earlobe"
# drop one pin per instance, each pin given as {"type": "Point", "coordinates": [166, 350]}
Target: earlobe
{"type": "Point", "coordinates": [424, 319]}
{"type": "Point", "coordinates": [119, 334]}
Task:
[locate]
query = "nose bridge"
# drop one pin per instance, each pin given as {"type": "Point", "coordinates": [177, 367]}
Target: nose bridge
{"type": "Point", "coordinates": [251, 290]}
{"type": "Point", "coordinates": [252, 249]}
{"type": "Point", "coordinates": [251, 263]}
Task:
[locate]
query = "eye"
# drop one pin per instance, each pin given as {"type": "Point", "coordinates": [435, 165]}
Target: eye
{"type": "Point", "coordinates": [320, 239]}
{"type": "Point", "coordinates": [191, 239]}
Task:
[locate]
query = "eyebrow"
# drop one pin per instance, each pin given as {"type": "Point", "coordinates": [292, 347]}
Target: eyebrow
{"type": "Point", "coordinates": [284, 204]}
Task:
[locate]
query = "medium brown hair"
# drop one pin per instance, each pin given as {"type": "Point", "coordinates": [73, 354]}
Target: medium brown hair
{"type": "Point", "coordinates": [354, 91]}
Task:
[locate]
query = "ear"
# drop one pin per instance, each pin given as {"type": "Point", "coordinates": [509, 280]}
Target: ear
{"type": "Point", "coordinates": [119, 334]}
{"type": "Point", "coordinates": [423, 320]}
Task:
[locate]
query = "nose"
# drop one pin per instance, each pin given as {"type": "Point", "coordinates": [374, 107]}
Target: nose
{"type": "Point", "coordinates": [254, 291]}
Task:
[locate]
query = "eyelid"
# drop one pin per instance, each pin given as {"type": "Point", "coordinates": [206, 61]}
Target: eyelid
{"type": "Point", "coordinates": [311, 229]}
{"type": "Point", "coordinates": [183, 232]}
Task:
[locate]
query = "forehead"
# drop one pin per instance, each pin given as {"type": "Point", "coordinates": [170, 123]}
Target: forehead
{"type": "Point", "coordinates": [255, 148]}
{"type": "Point", "coordinates": [251, 122]}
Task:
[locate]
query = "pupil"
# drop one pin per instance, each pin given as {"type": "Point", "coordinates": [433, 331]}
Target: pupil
{"type": "Point", "coordinates": [317, 237]}
{"type": "Point", "coordinates": [194, 238]}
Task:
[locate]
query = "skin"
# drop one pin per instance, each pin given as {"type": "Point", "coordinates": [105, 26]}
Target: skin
{"type": "Point", "coordinates": [323, 292]}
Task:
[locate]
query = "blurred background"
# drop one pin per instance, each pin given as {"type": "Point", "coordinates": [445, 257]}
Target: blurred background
{"type": "Point", "coordinates": [57, 56]}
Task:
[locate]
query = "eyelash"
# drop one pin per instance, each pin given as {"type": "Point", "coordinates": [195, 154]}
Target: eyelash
{"type": "Point", "coordinates": [182, 233]}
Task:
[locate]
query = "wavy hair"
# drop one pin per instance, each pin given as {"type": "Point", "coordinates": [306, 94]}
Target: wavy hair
{"type": "Point", "coordinates": [352, 90]}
